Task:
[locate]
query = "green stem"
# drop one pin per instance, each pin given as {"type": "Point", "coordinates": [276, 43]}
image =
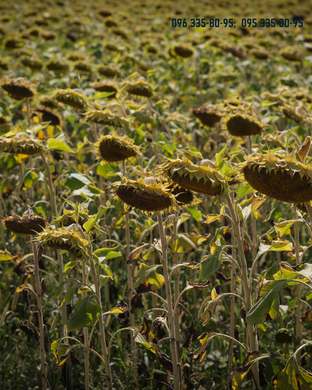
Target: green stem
{"type": "Point", "coordinates": [232, 311]}
{"type": "Point", "coordinates": [85, 333]}
{"type": "Point", "coordinates": [176, 374]}
{"type": "Point", "coordinates": [176, 274]}
{"type": "Point", "coordinates": [40, 316]}
{"type": "Point", "coordinates": [298, 288]}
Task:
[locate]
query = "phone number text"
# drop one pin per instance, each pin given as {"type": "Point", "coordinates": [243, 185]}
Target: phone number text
{"type": "Point", "coordinates": [231, 23]}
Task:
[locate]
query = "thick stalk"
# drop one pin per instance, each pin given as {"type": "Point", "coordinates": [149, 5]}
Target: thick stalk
{"type": "Point", "coordinates": [232, 308]}
{"type": "Point", "coordinates": [298, 288]}
{"type": "Point", "coordinates": [85, 333]}
{"type": "Point", "coordinates": [40, 316]}
{"type": "Point", "coordinates": [252, 342]}
{"type": "Point", "coordinates": [176, 374]}
{"type": "Point", "coordinates": [176, 275]}
{"type": "Point", "coordinates": [130, 279]}
{"type": "Point", "coordinates": [101, 323]}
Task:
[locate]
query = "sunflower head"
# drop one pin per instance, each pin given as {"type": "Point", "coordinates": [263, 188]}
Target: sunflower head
{"type": "Point", "coordinates": [140, 88]}
{"type": "Point", "coordinates": [31, 63]}
{"type": "Point", "coordinates": [3, 64]}
{"type": "Point", "coordinates": [290, 53]}
{"type": "Point", "coordinates": [104, 12]}
{"type": "Point", "coordinates": [75, 56]}
{"type": "Point", "coordinates": [207, 115]}
{"type": "Point", "coordinates": [71, 98]}
{"type": "Point", "coordinates": [293, 114]}
{"type": "Point", "coordinates": [48, 35]}
{"type": "Point", "coordinates": [49, 102]}
{"type": "Point", "coordinates": [106, 86]}
{"type": "Point", "coordinates": [113, 148]}
{"type": "Point", "coordinates": [68, 218]}
{"type": "Point", "coordinates": [21, 143]}
{"type": "Point", "coordinates": [241, 125]}
{"type": "Point", "coordinates": [12, 43]}
{"type": "Point", "coordinates": [27, 224]}
{"type": "Point", "coordinates": [57, 65]}
{"type": "Point", "coordinates": [18, 88]}
{"type": "Point", "coordinates": [108, 71]}
{"type": "Point", "coordinates": [181, 51]}
{"type": "Point", "coordinates": [66, 239]}
{"type": "Point", "coordinates": [203, 177]}
{"type": "Point", "coordinates": [279, 176]}
{"type": "Point", "coordinates": [83, 66]}
{"type": "Point", "coordinates": [184, 197]}
{"type": "Point", "coordinates": [48, 115]}
{"type": "Point", "coordinates": [260, 54]}
{"type": "Point", "coordinates": [284, 336]}
{"type": "Point", "coordinates": [108, 118]}
{"type": "Point", "coordinates": [147, 194]}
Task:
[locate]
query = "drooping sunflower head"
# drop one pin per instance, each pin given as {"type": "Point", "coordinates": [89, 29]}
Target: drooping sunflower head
{"type": "Point", "coordinates": [68, 218]}
{"type": "Point", "coordinates": [140, 88]}
{"type": "Point", "coordinates": [12, 43]}
{"type": "Point", "coordinates": [49, 102]}
{"type": "Point", "coordinates": [294, 114]}
{"type": "Point", "coordinates": [27, 224]}
{"type": "Point", "coordinates": [75, 56]}
{"type": "Point", "coordinates": [113, 148]}
{"type": "Point", "coordinates": [208, 115]}
{"type": "Point", "coordinates": [147, 194]}
{"type": "Point", "coordinates": [279, 176]}
{"type": "Point", "coordinates": [21, 143]}
{"type": "Point", "coordinates": [290, 53]}
{"type": "Point", "coordinates": [260, 53]}
{"type": "Point", "coordinates": [83, 66]}
{"type": "Point", "coordinates": [106, 86]}
{"type": "Point", "coordinates": [184, 197]}
{"type": "Point", "coordinates": [66, 239]}
{"type": "Point", "coordinates": [181, 51]}
{"type": "Point", "coordinates": [31, 63]}
{"type": "Point", "coordinates": [108, 71]}
{"type": "Point", "coordinates": [48, 115]}
{"type": "Point", "coordinates": [108, 118]}
{"type": "Point", "coordinates": [241, 125]}
{"type": "Point", "coordinates": [203, 177]}
{"type": "Point", "coordinates": [71, 98]}
{"type": "Point", "coordinates": [18, 88]}
{"type": "Point", "coordinates": [57, 65]}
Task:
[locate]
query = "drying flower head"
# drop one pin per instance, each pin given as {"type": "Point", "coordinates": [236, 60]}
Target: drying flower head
{"type": "Point", "coordinates": [146, 194]}
{"type": "Point", "coordinates": [113, 148]}
{"type": "Point", "coordinates": [108, 71]}
{"type": "Point", "coordinates": [48, 115]}
{"type": "Point", "coordinates": [18, 88]}
{"type": "Point", "coordinates": [27, 224]}
{"type": "Point", "coordinates": [290, 53]}
{"type": "Point", "coordinates": [57, 65]}
{"type": "Point", "coordinates": [71, 98]}
{"type": "Point", "coordinates": [184, 197]}
{"type": "Point", "coordinates": [21, 143]}
{"type": "Point", "coordinates": [108, 118]}
{"type": "Point", "coordinates": [32, 63]}
{"type": "Point", "coordinates": [279, 176]}
{"type": "Point", "coordinates": [241, 125]}
{"type": "Point", "coordinates": [207, 115]}
{"type": "Point", "coordinates": [66, 239]}
{"type": "Point", "coordinates": [105, 86]}
{"type": "Point", "coordinates": [12, 43]}
{"type": "Point", "coordinates": [83, 66]}
{"type": "Point", "coordinates": [203, 177]}
{"type": "Point", "coordinates": [181, 51]}
{"type": "Point", "coordinates": [140, 88]}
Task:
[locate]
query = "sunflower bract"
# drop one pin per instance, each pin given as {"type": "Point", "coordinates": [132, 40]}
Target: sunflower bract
{"type": "Point", "coordinates": [21, 144]}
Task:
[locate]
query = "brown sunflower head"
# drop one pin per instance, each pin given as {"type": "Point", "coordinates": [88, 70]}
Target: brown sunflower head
{"type": "Point", "coordinates": [279, 176]}
{"type": "Point", "coordinates": [12, 43]}
{"type": "Point", "coordinates": [27, 224]}
{"type": "Point", "coordinates": [140, 88]}
{"type": "Point", "coordinates": [108, 71]}
{"type": "Point", "coordinates": [181, 51]}
{"type": "Point", "coordinates": [48, 115]}
{"type": "Point", "coordinates": [18, 88]}
{"type": "Point", "coordinates": [31, 63]}
{"type": "Point", "coordinates": [203, 177]}
{"type": "Point", "coordinates": [290, 53]}
{"type": "Point", "coordinates": [108, 118]}
{"type": "Point", "coordinates": [146, 194]}
{"type": "Point", "coordinates": [284, 336]}
{"type": "Point", "coordinates": [184, 197]}
{"type": "Point", "coordinates": [21, 143]}
{"type": "Point", "coordinates": [57, 65]}
{"type": "Point", "coordinates": [113, 148]}
{"type": "Point", "coordinates": [207, 115]}
{"type": "Point", "coordinates": [241, 125]}
{"type": "Point", "coordinates": [106, 86]}
{"type": "Point", "coordinates": [71, 98]}
{"type": "Point", "coordinates": [83, 66]}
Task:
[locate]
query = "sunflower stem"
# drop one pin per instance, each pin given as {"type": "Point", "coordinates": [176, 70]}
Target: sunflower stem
{"type": "Point", "coordinates": [85, 333]}
{"type": "Point", "coordinates": [175, 362]}
{"type": "Point", "coordinates": [40, 316]}
{"type": "Point", "coordinates": [176, 274]}
{"type": "Point", "coordinates": [252, 342]}
{"type": "Point", "coordinates": [298, 288]}
{"type": "Point", "coordinates": [232, 309]}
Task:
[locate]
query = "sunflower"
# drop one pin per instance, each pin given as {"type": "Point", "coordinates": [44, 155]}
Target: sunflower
{"type": "Point", "coordinates": [31, 63]}
{"type": "Point", "coordinates": [146, 194]}
{"type": "Point", "coordinates": [57, 65]}
{"type": "Point", "coordinates": [65, 239]}
{"type": "Point", "coordinates": [181, 51]}
{"type": "Point", "coordinates": [107, 118]}
{"type": "Point", "coordinates": [279, 176]}
{"type": "Point", "coordinates": [241, 125]}
{"type": "Point", "coordinates": [27, 224]}
{"type": "Point", "coordinates": [184, 197]}
{"type": "Point", "coordinates": [71, 98]}
{"type": "Point", "coordinates": [18, 88]}
{"type": "Point", "coordinates": [108, 71]}
{"type": "Point", "coordinates": [140, 88]}
{"type": "Point", "coordinates": [21, 143]}
{"type": "Point", "coordinates": [48, 115]}
{"type": "Point", "coordinates": [113, 148]}
{"type": "Point", "coordinates": [207, 115]}
{"type": "Point", "coordinates": [105, 86]}
{"type": "Point", "coordinates": [83, 66]}
{"type": "Point", "coordinates": [203, 177]}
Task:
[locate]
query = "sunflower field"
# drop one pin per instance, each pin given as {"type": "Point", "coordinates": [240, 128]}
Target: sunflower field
{"type": "Point", "coordinates": [155, 195]}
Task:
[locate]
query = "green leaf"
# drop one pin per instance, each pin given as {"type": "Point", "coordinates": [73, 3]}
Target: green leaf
{"type": "Point", "coordinates": [283, 228]}
{"type": "Point", "coordinates": [89, 225]}
{"type": "Point", "coordinates": [5, 256]}
{"type": "Point", "coordinates": [59, 144]}
{"type": "Point", "coordinates": [184, 243]}
{"type": "Point", "coordinates": [107, 270]}
{"type": "Point", "coordinates": [75, 181]}
{"type": "Point", "coordinates": [69, 266]}
{"type": "Point", "coordinates": [286, 379]}
{"type": "Point", "coordinates": [148, 277]}
{"type": "Point", "coordinates": [196, 214]}
{"type": "Point", "coordinates": [86, 313]}
{"type": "Point", "coordinates": [274, 246]}
{"type": "Point", "coordinates": [210, 264]}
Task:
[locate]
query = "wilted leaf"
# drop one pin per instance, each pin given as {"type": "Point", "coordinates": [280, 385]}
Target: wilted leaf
{"type": "Point", "coordinates": [184, 243]}
{"type": "Point", "coordinates": [213, 217]}
{"type": "Point", "coordinates": [200, 353]}
{"type": "Point", "coordinates": [283, 228]}
{"type": "Point", "coordinates": [134, 255]}
{"type": "Point", "coordinates": [304, 150]}
{"type": "Point", "coordinates": [148, 277]}
{"type": "Point", "coordinates": [5, 256]}
{"type": "Point", "coordinates": [122, 307]}
{"type": "Point", "coordinates": [23, 283]}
